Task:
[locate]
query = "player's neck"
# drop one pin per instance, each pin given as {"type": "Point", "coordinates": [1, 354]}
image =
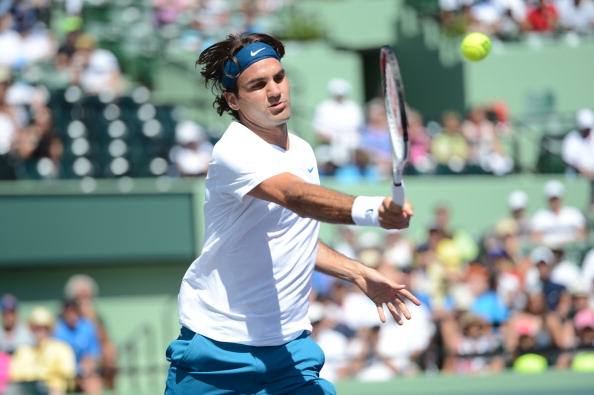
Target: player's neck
{"type": "Point", "coordinates": [277, 135]}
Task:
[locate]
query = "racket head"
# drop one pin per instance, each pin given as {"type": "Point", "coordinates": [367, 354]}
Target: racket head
{"type": "Point", "coordinates": [394, 102]}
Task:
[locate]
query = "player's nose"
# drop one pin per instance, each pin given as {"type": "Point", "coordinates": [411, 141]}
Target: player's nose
{"type": "Point", "coordinates": [274, 90]}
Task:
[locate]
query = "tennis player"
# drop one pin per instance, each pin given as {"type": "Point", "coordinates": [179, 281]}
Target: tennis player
{"type": "Point", "coordinates": [243, 304]}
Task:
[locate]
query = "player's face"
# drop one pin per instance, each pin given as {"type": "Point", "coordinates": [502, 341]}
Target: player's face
{"type": "Point", "coordinates": [263, 95]}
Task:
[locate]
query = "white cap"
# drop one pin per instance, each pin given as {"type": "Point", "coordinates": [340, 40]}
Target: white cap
{"type": "Point", "coordinates": [585, 119]}
{"type": "Point", "coordinates": [517, 200]}
{"type": "Point", "coordinates": [542, 254]}
{"type": "Point", "coordinates": [188, 132]}
{"type": "Point", "coordinates": [41, 316]}
{"type": "Point", "coordinates": [554, 189]}
{"type": "Point", "coordinates": [339, 87]}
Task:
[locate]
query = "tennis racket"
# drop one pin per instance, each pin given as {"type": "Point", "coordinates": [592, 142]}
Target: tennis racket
{"type": "Point", "coordinates": [397, 122]}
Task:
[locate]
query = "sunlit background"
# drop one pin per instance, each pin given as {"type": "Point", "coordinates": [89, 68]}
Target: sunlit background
{"type": "Point", "coordinates": [106, 131]}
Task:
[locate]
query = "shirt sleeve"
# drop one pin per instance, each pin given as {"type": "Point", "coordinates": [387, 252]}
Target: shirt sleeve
{"type": "Point", "coordinates": [240, 167]}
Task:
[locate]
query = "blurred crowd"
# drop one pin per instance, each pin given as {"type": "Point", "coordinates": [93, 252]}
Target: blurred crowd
{"type": "Point", "coordinates": [353, 142]}
{"type": "Point", "coordinates": [521, 298]}
{"type": "Point", "coordinates": [47, 60]}
{"type": "Point", "coordinates": [57, 353]}
{"type": "Point", "coordinates": [513, 19]}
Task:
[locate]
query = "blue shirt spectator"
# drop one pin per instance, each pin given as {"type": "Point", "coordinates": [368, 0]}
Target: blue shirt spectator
{"type": "Point", "coordinates": [79, 332]}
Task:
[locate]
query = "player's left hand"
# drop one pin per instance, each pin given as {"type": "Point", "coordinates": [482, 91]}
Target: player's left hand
{"type": "Point", "coordinates": [382, 291]}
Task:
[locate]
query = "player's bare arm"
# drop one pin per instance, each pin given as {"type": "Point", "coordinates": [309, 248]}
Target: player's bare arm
{"type": "Point", "coordinates": [326, 205]}
{"type": "Point", "coordinates": [375, 285]}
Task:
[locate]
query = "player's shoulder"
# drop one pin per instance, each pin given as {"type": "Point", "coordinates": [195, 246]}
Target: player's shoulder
{"type": "Point", "coordinates": [235, 139]}
{"type": "Point", "coordinates": [299, 143]}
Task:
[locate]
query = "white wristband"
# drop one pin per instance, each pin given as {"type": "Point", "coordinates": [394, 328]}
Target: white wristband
{"type": "Point", "coordinates": [365, 211]}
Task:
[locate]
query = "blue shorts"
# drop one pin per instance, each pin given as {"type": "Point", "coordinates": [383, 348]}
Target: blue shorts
{"type": "Point", "coordinates": [202, 366]}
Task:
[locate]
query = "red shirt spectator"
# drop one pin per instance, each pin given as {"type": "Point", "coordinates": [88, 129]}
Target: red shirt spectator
{"type": "Point", "coordinates": [543, 17]}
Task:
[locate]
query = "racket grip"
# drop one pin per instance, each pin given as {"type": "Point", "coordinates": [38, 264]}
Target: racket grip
{"type": "Point", "coordinates": [398, 193]}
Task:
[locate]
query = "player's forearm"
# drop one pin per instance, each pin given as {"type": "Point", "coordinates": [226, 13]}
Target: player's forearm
{"type": "Point", "coordinates": [337, 265]}
{"type": "Point", "coordinates": [305, 199]}
{"type": "Point", "coordinates": [319, 203]}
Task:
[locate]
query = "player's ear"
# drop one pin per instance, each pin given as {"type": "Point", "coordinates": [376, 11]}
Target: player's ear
{"type": "Point", "coordinates": [231, 100]}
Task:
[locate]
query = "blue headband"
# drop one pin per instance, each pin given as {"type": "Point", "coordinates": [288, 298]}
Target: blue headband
{"type": "Point", "coordinates": [247, 56]}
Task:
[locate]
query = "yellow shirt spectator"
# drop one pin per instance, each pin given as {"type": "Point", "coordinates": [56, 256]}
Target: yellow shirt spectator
{"type": "Point", "coordinates": [49, 360]}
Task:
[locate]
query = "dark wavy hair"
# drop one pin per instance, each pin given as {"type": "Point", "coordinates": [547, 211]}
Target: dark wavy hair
{"type": "Point", "coordinates": [214, 58]}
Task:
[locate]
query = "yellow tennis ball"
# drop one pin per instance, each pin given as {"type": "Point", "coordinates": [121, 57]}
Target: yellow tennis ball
{"type": "Point", "coordinates": [476, 46]}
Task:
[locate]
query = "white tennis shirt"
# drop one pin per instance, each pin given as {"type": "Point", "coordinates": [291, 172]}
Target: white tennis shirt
{"type": "Point", "coordinates": [252, 281]}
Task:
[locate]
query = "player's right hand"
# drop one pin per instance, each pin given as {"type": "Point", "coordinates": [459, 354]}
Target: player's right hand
{"type": "Point", "coordinates": [394, 216]}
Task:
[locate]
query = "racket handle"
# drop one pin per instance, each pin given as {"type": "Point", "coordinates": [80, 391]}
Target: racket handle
{"type": "Point", "coordinates": [398, 193]}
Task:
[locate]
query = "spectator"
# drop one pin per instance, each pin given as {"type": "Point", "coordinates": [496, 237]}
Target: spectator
{"type": "Point", "coordinates": [14, 332]}
{"type": "Point", "coordinates": [24, 42]}
{"type": "Point", "coordinates": [578, 149]}
{"type": "Point", "coordinates": [41, 147]}
{"type": "Point", "coordinates": [430, 276]}
{"type": "Point", "coordinates": [213, 18]}
{"type": "Point", "coordinates": [399, 250]}
{"type": "Point", "coordinates": [528, 330]}
{"type": "Point", "coordinates": [587, 272]}
{"type": "Point", "coordinates": [555, 296]}
{"type": "Point", "coordinates": [558, 225]}
{"type": "Point", "coordinates": [72, 27]}
{"type": "Point", "coordinates": [191, 154]}
{"type": "Point", "coordinates": [517, 202]}
{"type": "Point", "coordinates": [487, 303]}
{"type": "Point", "coordinates": [361, 169]}
{"type": "Point", "coordinates": [4, 371]}
{"type": "Point", "coordinates": [512, 234]}
{"type": "Point", "coordinates": [169, 11]}
{"type": "Point", "coordinates": [420, 144]}
{"type": "Point", "coordinates": [81, 334]}
{"type": "Point", "coordinates": [509, 279]}
{"type": "Point", "coordinates": [565, 271]}
{"type": "Point", "coordinates": [9, 126]}
{"type": "Point", "coordinates": [375, 136]}
{"type": "Point", "coordinates": [449, 147]}
{"type": "Point", "coordinates": [542, 17]}
{"type": "Point", "coordinates": [337, 123]}
{"type": "Point", "coordinates": [485, 17]}
{"type": "Point", "coordinates": [48, 361]}
{"type": "Point", "coordinates": [583, 339]}
{"type": "Point", "coordinates": [478, 347]}
{"type": "Point", "coordinates": [454, 15]}
{"type": "Point", "coordinates": [512, 22]}
{"type": "Point", "coordinates": [371, 363]}
{"type": "Point", "coordinates": [584, 327]}
{"type": "Point", "coordinates": [576, 15]}
{"type": "Point", "coordinates": [95, 69]}
{"type": "Point", "coordinates": [485, 150]}
{"type": "Point", "coordinates": [84, 289]}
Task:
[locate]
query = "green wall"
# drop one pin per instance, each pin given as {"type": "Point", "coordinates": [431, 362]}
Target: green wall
{"type": "Point", "coordinates": [514, 71]}
{"type": "Point", "coordinates": [57, 225]}
{"type": "Point", "coordinates": [66, 223]}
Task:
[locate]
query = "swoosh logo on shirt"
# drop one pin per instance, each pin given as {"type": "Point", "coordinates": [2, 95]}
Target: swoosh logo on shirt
{"type": "Point", "coordinates": [310, 170]}
{"type": "Point", "coordinates": [254, 53]}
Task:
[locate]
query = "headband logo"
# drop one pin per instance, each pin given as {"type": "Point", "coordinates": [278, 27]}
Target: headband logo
{"type": "Point", "coordinates": [254, 53]}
